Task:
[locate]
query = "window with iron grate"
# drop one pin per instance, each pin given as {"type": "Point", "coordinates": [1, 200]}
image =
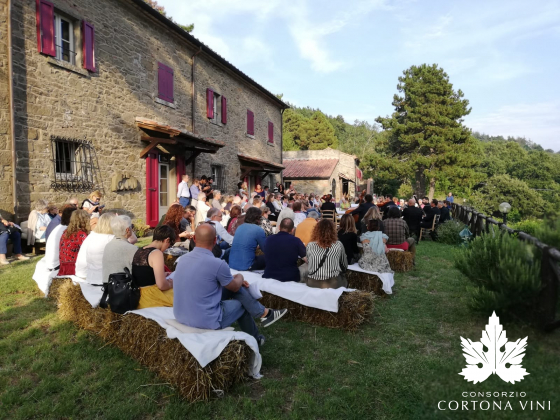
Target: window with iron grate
{"type": "Point", "coordinates": [74, 163]}
{"type": "Point", "coordinates": [218, 175]}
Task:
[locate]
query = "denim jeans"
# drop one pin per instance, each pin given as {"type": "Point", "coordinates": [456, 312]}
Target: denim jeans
{"type": "Point", "coordinates": [184, 201]}
{"type": "Point", "coordinates": [16, 240]}
{"type": "Point", "coordinates": [241, 307]}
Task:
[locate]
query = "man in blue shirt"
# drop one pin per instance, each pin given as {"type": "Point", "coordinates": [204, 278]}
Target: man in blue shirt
{"type": "Point", "coordinates": [207, 296]}
{"type": "Point", "coordinates": [450, 198]}
{"type": "Point", "coordinates": [247, 237]}
{"type": "Point", "coordinates": [281, 254]}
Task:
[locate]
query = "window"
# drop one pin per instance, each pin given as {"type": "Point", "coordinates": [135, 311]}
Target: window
{"type": "Point", "coordinates": [216, 107]}
{"type": "Point", "coordinates": [250, 123]}
{"type": "Point", "coordinates": [64, 39]}
{"type": "Point", "coordinates": [271, 132]}
{"type": "Point", "coordinates": [218, 175]}
{"type": "Point", "coordinates": [165, 83]}
{"type": "Point", "coordinates": [74, 163]}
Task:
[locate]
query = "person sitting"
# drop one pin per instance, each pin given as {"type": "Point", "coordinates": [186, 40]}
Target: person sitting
{"type": "Point", "coordinates": [209, 297]}
{"type": "Point", "coordinates": [216, 200]}
{"type": "Point", "coordinates": [326, 258]}
{"type": "Point", "coordinates": [348, 236]}
{"type": "Point", "coordinates": [328, 204]}
{"type": "Point", "coordinates": [228, 204]}
{"type": "Point", "coordinates": [260, 192]}
{"type": "Point", "coordinates": [344, 203]}
{"type": "Point", "coordinates": [119, 252]}
{"type": "Point", "coordinates": [92, 204]}
{"type": "Point", "coordinates": [201, 209]}
{"type": "Point", "coordinates": [9, 231]}
{"type": "Point", "coordinates": [52, 249]}
{"type": "Point", "coordinates": [431, 212]}
{"type": "Point", "coordinates": [173, 218]}
{"type": "Point", "coordinates": [234, 213]}
{"type": "Point", "coordinates": [247, 237]}
{"type": "Point", "coordinates": [37, 222]}
{"type": "Point", "coordinates": [372, 213]}
{"type": "Point", "coordinates": [305, 228]}
{"type": "Point", "coordinates": [274, 211]}
{"type": "Point", "coordinates": [72, 240]}
{"type": "Point", "coordinates": [363, 208]}
{"type": "Point", "coordinates": [89, 264]}
{"type": "Point", "coordinates": [282, 252]}
{"type": "Point", "coordinates": [389, 203]}
{"type": "Point", "coordinates": [224, 238]}
{"type": "Point", "coordinates": [56, 220]}
{"type": "Point", "coordinates": [412, 215]}
{"type": "Point", "coordinates": [299, 216]}
{"type": "Point", "coordinates": [149, 271]}
{"type": "Point", "coordinates": [184, 191]}
{"type": "Point", "coordinates": [286, 213]}
{"type": "Point", "coordinates": [398, 233]}
{"type": "Point", "coordinates": [265, 223]}
{"type": "Point", "coordinates": [444, 211]}
{"type": "Point", "coordinates": [373, 241]}
{"type": "Point", "coordinates": [187, 222]}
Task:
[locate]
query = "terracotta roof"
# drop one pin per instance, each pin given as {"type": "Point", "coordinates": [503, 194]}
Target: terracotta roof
{"type": "Point", "coordinates": [205, 49]}
{"type": "Point", "coordinates": [346, 177]}
{"type": "Point", "coordinates": [175, 132]}
{"type": "Point", "coordinates": [309, 168]}
{"type": "Point", "coordinates": [260, 161]}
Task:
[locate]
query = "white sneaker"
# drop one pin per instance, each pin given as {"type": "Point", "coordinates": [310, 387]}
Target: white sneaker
{"type": "Point", "coordinates": [22, 258]}
{"type": "Point", "coordinates": [4, 261]}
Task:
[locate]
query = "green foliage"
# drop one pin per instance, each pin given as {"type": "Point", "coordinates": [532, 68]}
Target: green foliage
{"type": "Point", "coordinates": [529, 226]}
{"type": "Point", "coordinates": [549, 232]}
{"type": "Point", "coordinates": [449, 232]}
{"type": "Point", "coordinates": [405, 191]}
{"type": "Point", "coordinates": [504, 272]}
{"type": "Point", "coordinates": [156, 6]}
{"type": "Point", "coordinates": [426, 131]}
{"type": "Point", "coordinates": [140, 228]}
{"type": "Point", "coordinates": [307, 133]}
{"type": "Point", "coordinates": [525, 202]}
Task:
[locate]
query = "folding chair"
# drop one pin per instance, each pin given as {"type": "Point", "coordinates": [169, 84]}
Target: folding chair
{"type": "Point", "coordinates": [432, 229]}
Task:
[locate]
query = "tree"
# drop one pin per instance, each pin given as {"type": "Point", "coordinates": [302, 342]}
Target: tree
{"type": "Point", "coordinates": [314, 133]}
{"type": "Point", "coordinates": [426, 131]}
{"type": "Point", "coordinates": [156, 6]}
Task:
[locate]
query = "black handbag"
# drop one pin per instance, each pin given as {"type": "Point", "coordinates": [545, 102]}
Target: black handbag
{"type": "Point", "coordinates": [120, 293]}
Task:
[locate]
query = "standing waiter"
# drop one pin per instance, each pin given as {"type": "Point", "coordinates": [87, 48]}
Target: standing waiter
{"type": "Point", "coordinates": [183, 192]}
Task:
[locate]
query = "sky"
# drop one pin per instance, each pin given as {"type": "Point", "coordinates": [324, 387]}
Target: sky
{"type": "Point", "coordinates": [345, 57]}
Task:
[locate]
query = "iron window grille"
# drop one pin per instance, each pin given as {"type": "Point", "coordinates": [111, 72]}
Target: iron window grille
{"type": "Point", "coordinates": [75, 165]}
{"type": "Point", "coordinates": [218, 175]}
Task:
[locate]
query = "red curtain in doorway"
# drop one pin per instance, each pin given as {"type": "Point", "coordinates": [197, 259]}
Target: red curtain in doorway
{"type": "Point", "coordinates": [152, 178]}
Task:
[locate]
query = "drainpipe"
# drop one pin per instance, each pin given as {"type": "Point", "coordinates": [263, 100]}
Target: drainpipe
{"type": "Point", "coordinates": [193, 95]}
{"type": "Point", "coordinates": [12, 108]}
{"type": "Point", "coordinates": [282, 144]}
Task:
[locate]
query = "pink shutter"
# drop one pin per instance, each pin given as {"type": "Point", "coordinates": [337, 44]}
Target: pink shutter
{"type": "Point", "coordinates": [165, 82]}
{"type": "Point", "coordinates": [88, 45]}
{"type": "Point", "coordinates": [45, 27]}
{"type": "Point", "coordinates": [224, 110]}
{"type": "Point", "coordinates": [152, 193]}
{"type": "Point", "coordinates": [250, 123]}
{"type": "Point", "coordinates": [210, 103]}
{"type": "Point", "coordinates": [270, 132]}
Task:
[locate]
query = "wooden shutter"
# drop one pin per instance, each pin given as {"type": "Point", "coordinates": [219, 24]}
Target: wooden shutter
{"type": "Point", "coordinates": [88, 45]}
{"type": "Point", "coordinates": [152, 189]}
{"type": "Point", "coordinates": [224, 110]}
{"type": "Point", "coordinates": [270, 132]}
{"type": "Point", "coordinates": [250, 122]}
{"type": "Point", "coordinates": [210, 103]}
{"type": "Point", "coordinates": [45, 27]}
{"type": "Point", "coordinates": [165, 82]}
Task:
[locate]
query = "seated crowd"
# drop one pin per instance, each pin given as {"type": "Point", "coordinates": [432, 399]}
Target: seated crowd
{"type": "Point", "coordinates": [288, 237]}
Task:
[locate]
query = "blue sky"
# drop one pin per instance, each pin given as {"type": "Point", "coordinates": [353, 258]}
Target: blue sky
{"type": "Point", "coordinates": [344, 57]}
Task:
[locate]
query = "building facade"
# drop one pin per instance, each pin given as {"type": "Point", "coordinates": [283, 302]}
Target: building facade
{"type": "Point", "coordinates": [110, 95]}
{"type": "Point", "coordinates": [327, 171]}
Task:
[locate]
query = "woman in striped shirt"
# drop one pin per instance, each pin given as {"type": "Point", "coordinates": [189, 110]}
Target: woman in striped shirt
{"type": "Point", "coordinates": [326, 258]}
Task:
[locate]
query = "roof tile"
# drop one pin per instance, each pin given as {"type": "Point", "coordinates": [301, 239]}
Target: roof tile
{"type": "Point", "coordinates": [309, 168]}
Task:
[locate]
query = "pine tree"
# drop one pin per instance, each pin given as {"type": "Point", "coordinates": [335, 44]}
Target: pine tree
{"type": "Point", "coordinates": [426, 131]}
{"type": "Point", "coordinates": [317, 133]}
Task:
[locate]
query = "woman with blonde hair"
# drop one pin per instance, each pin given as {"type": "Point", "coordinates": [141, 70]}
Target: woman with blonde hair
{"type": "Point", "coordinates": [91, 204]}
{"type": "Point", "coordinates": [89, 264]}
{"type": "Point", "coordinates": [372, 214]}
{"type": "Point", "coordinates": [348, 236]}
{"type": "Point", "coordinates": [72, 240]}
{"type": "Point", "coordinates": [326, 258]}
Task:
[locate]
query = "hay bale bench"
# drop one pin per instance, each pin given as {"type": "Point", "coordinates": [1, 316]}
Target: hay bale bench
{"type": "Point", "coordinates": [146, 341]}
{"type": "Point", "coordinates": [400, 261]}
{"type": "Point", "coordinates": [366, 282]}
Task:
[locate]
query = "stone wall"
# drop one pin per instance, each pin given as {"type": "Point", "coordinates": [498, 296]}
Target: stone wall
{"type": "Point", "coordinates": [67, 101]}
{"type": "Point", "coordinates": [5, 143]}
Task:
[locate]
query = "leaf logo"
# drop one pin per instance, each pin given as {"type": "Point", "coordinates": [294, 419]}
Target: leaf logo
{"type": "Point", "coordinates": [506, 364]}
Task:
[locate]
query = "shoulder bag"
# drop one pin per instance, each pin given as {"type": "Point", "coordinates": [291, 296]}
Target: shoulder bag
{"type": "Point", "coordinates": [120, 293]}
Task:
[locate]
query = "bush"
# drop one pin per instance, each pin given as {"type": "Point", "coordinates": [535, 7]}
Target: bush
{"type": "Point", "coordinates": [504, 272]}
{"type": "Point", "coordinates": [140, 228]}
{"type": "Point", "coordinates": [449, 232]}
{"type": "Point", "coordinates": [528, 226]}
{"type": "Point", "coordinates": [549, 233]}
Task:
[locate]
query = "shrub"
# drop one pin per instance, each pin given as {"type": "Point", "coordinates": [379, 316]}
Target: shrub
{"type": "Point", "coordinates": [449, 232]}
{"type": "Point", "coordinates": [504, 272]}
{"type": "Point", "coordinates": [549, 233]}
{"type": "Point", "coordinates": [140, 228]}
{"type": "Point", "coordinates": [530, 226]}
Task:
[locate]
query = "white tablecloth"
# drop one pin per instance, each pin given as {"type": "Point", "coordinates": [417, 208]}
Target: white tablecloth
{"type": "Point", "coordinates": [388, 279]}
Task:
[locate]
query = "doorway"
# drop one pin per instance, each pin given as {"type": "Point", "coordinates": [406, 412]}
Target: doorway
{"type": "Point", "coordinates": [163, 188]}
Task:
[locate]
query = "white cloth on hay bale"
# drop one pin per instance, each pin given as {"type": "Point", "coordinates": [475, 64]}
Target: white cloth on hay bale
{"type": "Point", "coordinates": [324, 299]}
{"type": "Point", "coordinates": [388, 279]}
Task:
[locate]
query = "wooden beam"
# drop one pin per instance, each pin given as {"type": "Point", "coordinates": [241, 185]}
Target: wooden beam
{"type": "Point", "coordinates": [192, 157]}
{"type": "Point", "coordinates": [247, 172]}
{"type": "Point", "coordinates": [159, 140]}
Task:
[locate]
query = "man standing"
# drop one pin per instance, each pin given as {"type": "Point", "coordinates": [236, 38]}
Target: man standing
{"type": "Point", "coordinates": [207, 296]}
{"type": "Point", "coordinates": [183, 192]}
{"type": "Point", "coordinates": [413, 217]}
{"type": "Point", "coordinates": [450, 198]}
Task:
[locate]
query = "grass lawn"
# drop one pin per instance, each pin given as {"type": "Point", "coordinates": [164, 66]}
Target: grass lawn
{"type": "Point", "coordinates": [396, 367]}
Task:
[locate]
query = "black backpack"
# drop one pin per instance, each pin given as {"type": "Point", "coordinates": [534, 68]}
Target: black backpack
{"type": "Point", "coordinates": [120, 293]}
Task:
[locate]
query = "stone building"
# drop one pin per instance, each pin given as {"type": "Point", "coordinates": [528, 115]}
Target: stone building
{"type": "Point", "coordinates": [327, 171]}
{"type": "Point", "coordinates": [111, 95]}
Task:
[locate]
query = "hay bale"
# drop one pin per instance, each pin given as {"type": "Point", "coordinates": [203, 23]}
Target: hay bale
{"type": "Point", "coordinates": [147, 342]}
{"type": "Point", "coordinates": [354, 308]}
{"type": "Point", "coordinates": [401, 262]}
{"type": "Point", "coordinates": [54, 289]}
{"type": "Point", "coordinates": [365, 281]}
